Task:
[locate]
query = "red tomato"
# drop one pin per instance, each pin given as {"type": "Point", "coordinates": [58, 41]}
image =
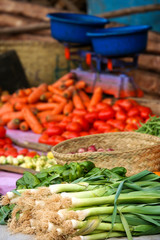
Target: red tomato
{"type": "Point", "coordinates": [43, 138]}
{"type": "Point", "coordinates": [2, 132]}
{"type": "Point", "coordinates": [7, 147]}
{"type": "Point", "coordinates": [134, 120]}
{"type": "Point", "coordinates": [62, 125]}
{"type": "Point", "coordinates": [116, 107]}
{"type": "Point", "coordinates": [100, 106]}
{"type": "Point", "coordinates": [134, 103]}
{"type": "Point", "coordinates": [8, 140]}
{"type": "Point", "coordinates": [82, 121]}
{"type": "Point", "coordinates": [115, 130]}
{"type": "Point", "coordinates": [74, 127]}
{"type": "Point", "coordinates": [2, 152]}
{"type": "Point", "coordinates": [98, 123]}
{"type": "Point", "coordinates": [144, 111]}
{"type": "Point", "coordinates": [121, 115]}
{"type": "Point", "coordinates": [105, 128]}
{"type": "Point", "coordinates": [32, 154]}
{"type": "Point", "coordinates": [59, 139]}
{"type": "Point", "coordinates": [67, 119]}
{"type": "Point", "coordinates": [69, 135]}
{"type": "Point", "coordinates": [84, 133]}
{"type": "Point", "coordinates": [51, 140]}
{"type": "Point", "coordinates": [2, 142]}
{"type": "Point", "coordinates": [130, 127]}
{"type": "Point", "coordinates": [106, 114]}
{"type": "Point", "coordinates": [79, 112]}
{"type": "Point", "coordinates": [117, 123]}
{"type": "Point", "coordinates": [10, 152]}
{"type": "Point", "coordinates": [52, 131]}
{"type": "Point", "coordinates": [23, 151]}
{"type": "Point", "coordinates": [91, 116]}
{"type": "Point", "coordinates": [93, 131]}
{"type": "Point", "coordinates": [126, 104]}
{"type": "Point", "coordinates": [134, 111]}
{"type": "Point", "coordinates": [51, 124]}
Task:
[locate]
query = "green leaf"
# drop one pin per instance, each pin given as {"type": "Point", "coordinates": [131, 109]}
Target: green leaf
{"type": "Point", "coordinates": [16, 192]}
{"type": "Point", "coordinates": [89, 227]}
{"type": "Point", "coordinates": [41, 175]}
{"type": "Point", "coordinates": [5, 212]}
{"type": "Point", "coordinates": [17, 215]}
{"type": "Point", "coordinates": [120, 171]}
{"type": "Point", "coordinates": [148, 219]}
{"type": "Point", "coordinates": [30, 179]}
{"type": "Point", "coordinates": [126, 226]}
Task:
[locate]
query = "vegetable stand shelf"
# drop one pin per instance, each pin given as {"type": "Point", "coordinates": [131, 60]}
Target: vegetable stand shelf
{"type": "Point", "coordinates": [5, 235]}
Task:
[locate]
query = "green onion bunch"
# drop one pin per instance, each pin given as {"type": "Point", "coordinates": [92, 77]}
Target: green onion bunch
{"type": "Point", "coordinates": [104, 207]}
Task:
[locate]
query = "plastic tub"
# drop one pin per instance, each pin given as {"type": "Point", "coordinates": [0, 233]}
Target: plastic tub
{"type": "Point", "coordinates": [119, 41]}
{"type": "Point", "coordinates": [72, 27]}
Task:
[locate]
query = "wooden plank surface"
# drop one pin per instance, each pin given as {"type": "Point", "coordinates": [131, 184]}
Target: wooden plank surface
{"type": "Point", "coordinates": [15, 169]}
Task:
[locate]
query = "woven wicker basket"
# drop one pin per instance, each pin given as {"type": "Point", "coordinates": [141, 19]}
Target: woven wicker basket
{"type": "Point", "coordinates": [134, 151]}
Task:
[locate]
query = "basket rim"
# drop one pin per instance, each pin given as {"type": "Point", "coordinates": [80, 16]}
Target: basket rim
{"type": "Point", "coordinates": [53, 149]}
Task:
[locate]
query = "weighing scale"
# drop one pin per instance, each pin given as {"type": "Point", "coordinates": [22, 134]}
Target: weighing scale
{"type": "Point", "coordinates": [104, 56]}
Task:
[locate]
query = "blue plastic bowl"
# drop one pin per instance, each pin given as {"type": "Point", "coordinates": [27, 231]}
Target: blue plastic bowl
{"type": "Point", "coordinates": [119, 41]}
{"type": "Point", "coordinates": [72, 27]}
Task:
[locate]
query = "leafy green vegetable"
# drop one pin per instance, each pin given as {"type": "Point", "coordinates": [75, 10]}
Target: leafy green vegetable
{"type": "Point", "coordinates": [5, 213]}
{"type": "Point", "coordinates": [56, 174]}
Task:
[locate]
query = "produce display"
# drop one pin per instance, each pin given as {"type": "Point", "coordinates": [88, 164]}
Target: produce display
{"type": "Point", "coordinates": [92, 148]}
{"type": "Point", "coordinates": [79, 201]}
{"type": "Point", "coordinates": [7, 149]}
{"type": "Point", "coordinates": [152, 127]}
{"type": "Point", "coordinates": [67, 109]}
{"type": "Point", "coordinates": [36, 162]}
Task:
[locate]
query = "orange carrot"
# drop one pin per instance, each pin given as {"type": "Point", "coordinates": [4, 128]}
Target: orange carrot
{"type": "Point", "coordinates": [21, 93]}
{"type": "Point", "coordinates": [59, 108]}
{"type": "Point", "coordinates": [18, 106]}
{"type": "Point", "coordinates": [2, 123]}
{"type": "Point", "coordinates": [43, 114]}
{"type": "Point", "coordinates": [107, 100]}
{"type": "Point", "coordinates": [37, 92]}
{"type": "Point", "coordinates": [50, 100]}
{"type": "Point", "coordinates": [54, 90]}
{"type": "Point", "coordinates": [67, 83]}
{"type": "Point", "coordinates": [7, 107]}
{"type": "Point", "coordinates": [13, 124]}
{"type": "Point", "coordinates": [88, 89]}
{"type": "Point", "coordinates": [68, 92]}
{"type": "Point", "coordinates": [51, 117]}
{"type": "Point", "coordinates": [64, 78]}
{"type": "Point", "coordinates": [45, 106]}
{"type": "Point", "coordinates": [14, 100]}
{"type": "Point", "coordinates": [24, 126]}
{"type": "Point", "coordinates": [45, 96]}
{"type": "Point", "coordinates": [80, 84]}
{"type": "Point", "coordinates": [58, 98]}
{"type": "Point", "coordinates": [68, 108]}
{"type": "Point", "coordinates": [77, 102]}
{"type": "Point", "coordinates": [85, 98]}
{"type": "Point", "coordinates": [12, 115]}
{"type": "Point", "coordinates": [32, 121]}
{"type": "Point", "coordinates": [5, 98]}
{"type": "Point", "coordinates": [34, 110]}
{"type": "Point", "coordinates": [96, 97]}
{"type": "Point", "coordinates": [28, 91]}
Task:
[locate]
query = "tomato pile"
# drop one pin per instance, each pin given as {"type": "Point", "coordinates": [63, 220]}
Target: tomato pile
{"type": "Point", "coordinates": [124, 115]}
{"type": "Point", "coordinates": [7, 148]}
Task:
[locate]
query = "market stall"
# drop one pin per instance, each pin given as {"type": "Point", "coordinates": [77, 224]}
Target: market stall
{"type": "Point", "coordinates": [80, 155]}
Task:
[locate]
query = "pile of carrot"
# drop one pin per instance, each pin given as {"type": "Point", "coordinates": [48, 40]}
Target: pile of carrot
{"type": "Point", "coordinates": [30, 108]}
